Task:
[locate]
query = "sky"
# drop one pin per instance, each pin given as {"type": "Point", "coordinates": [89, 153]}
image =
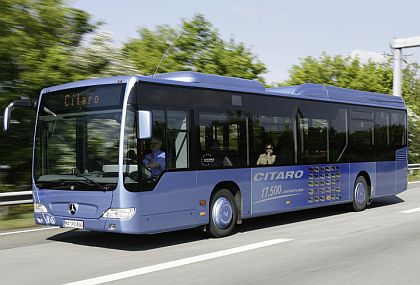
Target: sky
{"type": "Point", "coordinates": [280, 32]}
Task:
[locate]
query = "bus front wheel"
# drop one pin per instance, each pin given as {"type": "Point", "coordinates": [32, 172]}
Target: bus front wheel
{"type": "Point", "coordinates": [360, 194]}
{"type": "Point", "coordinates": [223, 214]}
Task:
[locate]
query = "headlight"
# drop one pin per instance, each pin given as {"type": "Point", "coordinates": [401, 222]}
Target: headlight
{"type": "Point", "coordinates": [39, 208]}
{"type": "Point", "coordinates": [120, 214]}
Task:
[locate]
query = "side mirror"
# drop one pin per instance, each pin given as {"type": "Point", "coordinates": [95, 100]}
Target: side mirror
{"type": "Point", "coordinates": [26, 103]}
{"type": "Point", "coordinates": [144, 124]}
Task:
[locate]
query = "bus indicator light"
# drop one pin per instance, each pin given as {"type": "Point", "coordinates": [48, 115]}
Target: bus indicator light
{"type": "Point", "coordinates": [202, 213]}
{"type": "Point", "coordinates": [202, 202]}
{"type": "Point", "coordinates": [40, 208]}
{"type": "Point", "coordinates": [119, 213]}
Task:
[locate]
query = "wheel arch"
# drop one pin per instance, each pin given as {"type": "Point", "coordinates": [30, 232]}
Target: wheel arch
{"type": "Point", "coordinates": [236, 192]}
{"type": "Point", "coordinates": [366, 175]}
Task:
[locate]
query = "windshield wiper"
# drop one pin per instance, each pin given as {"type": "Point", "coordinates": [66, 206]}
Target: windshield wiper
{"type": "Point", "coordinates": [46, 110]}
{"type": "Point", "coordinates": [102, 187]}
{"type": "Point", "coordinates": [64, 184]}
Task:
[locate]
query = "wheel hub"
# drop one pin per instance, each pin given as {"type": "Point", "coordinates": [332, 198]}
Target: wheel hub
{"type": "Point", "coordinates": [360, 193]}
{"type": "Point", "coordinates": [222, 213]}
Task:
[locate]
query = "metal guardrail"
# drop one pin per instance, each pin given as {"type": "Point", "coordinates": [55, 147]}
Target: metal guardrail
{"type": "Point", "coordinates": [413, 167]}
{"type": "Point", "coordinates": [15, 198]}
{"type": "Point", "coordinates": [25, 197]}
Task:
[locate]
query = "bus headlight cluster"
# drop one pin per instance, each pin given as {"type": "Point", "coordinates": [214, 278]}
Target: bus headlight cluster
{"type": "Point", "coordinates": [39, 208]}
{"type": "Point", "coordinates": [119, 213]}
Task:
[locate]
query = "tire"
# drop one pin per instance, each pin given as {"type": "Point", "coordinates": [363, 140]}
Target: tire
{"type": "Point", "coordinates": [223, 214]}
{"type": "Point", "coordinates": [361, 195]}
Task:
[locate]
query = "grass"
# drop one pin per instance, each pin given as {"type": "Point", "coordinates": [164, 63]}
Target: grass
{"type": "Point", "coordinates": [23, 221]}
{"type": "Point", "coordinates": [17, 216]}
{"type": "Point", "coordinates": [414, 177]}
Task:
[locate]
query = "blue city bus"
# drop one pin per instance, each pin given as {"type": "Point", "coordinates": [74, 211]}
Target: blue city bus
{"type": "Point", "coordinates": [150, 154]}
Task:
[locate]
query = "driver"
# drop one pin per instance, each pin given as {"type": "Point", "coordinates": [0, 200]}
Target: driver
{"type": "Point", "coordinates": [155, 160]}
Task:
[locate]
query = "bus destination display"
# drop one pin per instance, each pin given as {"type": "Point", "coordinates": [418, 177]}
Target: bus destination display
{"type": "Point", "coordinates": [84, 99]}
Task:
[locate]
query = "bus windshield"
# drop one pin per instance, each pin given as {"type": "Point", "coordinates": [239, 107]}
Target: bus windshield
{"type": "Point", "coordinates": [77, 138]}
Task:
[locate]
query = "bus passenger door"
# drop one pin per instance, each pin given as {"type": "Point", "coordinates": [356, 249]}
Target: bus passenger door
{"type": "Point", "coordinates": [390, 152]}
{"type": "Point", "coordinates": [170, 204]}
{"type": "Point", "coordinates": [222, 155]}
{"type": "Point", "coordinates": [398, 136]}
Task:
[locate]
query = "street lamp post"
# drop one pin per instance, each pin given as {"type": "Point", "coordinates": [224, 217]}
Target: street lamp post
{"type": "Point", "coordinates": [397, 46]}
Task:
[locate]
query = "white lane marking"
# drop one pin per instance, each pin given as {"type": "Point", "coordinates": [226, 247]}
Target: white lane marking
{"type": "Point", "coordinates": [27, 231]}
{"type": "Point", "coordinates": [410, 211]}
{"type": "Point", "coordinates": [176, 263]}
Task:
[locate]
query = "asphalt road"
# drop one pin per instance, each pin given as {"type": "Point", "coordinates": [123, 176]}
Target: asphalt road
{"type": "Point", "coordinates": [321, 246]}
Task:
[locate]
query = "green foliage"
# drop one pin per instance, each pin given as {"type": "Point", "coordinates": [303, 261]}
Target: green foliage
{"type": "Point", "coordinates": [196, 46]}
{"type": "Point", "coordinates": [414, 137]}
{"type": "Point", "coordinates": [37, 38]}
{"type": "Point", "coordinates": [100, 58]}
{"type": "Point", "coordinates": [343, 72]}
{"type": "Point", "coordinates": [42, 44]}
{"type": "Point", "coordinates": [348, 72]}
{"type": "Point", "coordinates": [16, 216]}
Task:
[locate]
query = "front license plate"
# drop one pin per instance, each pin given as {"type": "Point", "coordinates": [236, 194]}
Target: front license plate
{"type": "Point", "coordinates": [73, 224]}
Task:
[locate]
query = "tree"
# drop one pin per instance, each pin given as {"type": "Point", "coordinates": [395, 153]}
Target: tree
{"type": "Point", "coordinates": [348, 72]}
{"type": "Point", "coordinates": [98, 57]}
{"type": "Point", "coordinates": [196, 46]}
{"type": "Point", "coordinates": [414, 137]}
{"type": "Point", "coordinates": [37, 38]}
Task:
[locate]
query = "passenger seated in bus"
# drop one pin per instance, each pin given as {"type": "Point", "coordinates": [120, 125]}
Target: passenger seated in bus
{"type": "Point", "coordinates": [219, 158]}
{"type": "Point", "coordinates": [155, 160]}
{"type": "Point", "coordinates": [268, 157]}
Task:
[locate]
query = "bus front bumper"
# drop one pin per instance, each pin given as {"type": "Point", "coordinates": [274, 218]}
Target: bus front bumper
{"type": "Point", "coordinates": [100, 224]}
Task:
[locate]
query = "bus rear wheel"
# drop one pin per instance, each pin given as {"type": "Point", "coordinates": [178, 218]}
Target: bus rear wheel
{"type": "Point", "coordinates": [360, 194]}
{"type": "Point", "coordinates": [223, 214]}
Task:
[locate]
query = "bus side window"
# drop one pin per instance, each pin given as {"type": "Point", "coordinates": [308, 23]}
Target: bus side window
{"type": "Point", "coordinates": [172, 128]}
{"type": "Point", "coordinates": [177, 139]}
{"type": "Point", "coordinates": [383, 151]}
{"type": "Point", "coordinates": [397, 129]}
{"type": "Point", "coordinates": [361, 135]}
{"type": "Point", "coordinates": [338, 135]}
{"type": "Point", "coordinates": [276, 131]}
{"type": "Point", "coordinates": [313, 141]}
{"type": "Point", "coordinates": [223, 140]}
{"type": "Point", "coordinates": [159, 134]}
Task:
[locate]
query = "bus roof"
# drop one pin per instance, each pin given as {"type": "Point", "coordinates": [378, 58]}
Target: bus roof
{"type": "Point", "coordinates": [303, 91]}
{"type": "Point", "coordinates": [209, 81]}
{"type": "Point", "coordinates": [342, 95]}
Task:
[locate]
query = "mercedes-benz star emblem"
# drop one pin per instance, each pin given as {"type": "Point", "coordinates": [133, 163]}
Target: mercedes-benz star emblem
{"type": "Point", "coordinates": [73, 208]}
